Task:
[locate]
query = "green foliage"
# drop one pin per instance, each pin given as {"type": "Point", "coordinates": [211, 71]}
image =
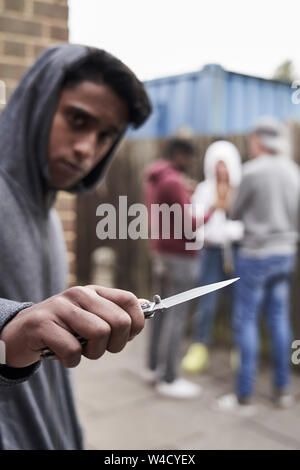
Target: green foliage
{"type": "Point", "coordinates": [285, 71]}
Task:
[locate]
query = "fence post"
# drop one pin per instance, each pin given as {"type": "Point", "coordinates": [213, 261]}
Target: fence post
{"type": "Point", "coordinates": [103, 267]}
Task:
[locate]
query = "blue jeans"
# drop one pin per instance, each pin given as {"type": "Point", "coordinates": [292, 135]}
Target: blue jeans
{"type": "Point", "coordinates": [211, 270]}
{"type": "Point", "coordinates": [263, 282]}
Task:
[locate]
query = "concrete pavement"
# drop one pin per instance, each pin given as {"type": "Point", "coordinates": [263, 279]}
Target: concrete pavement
{"type": "Point", "coordinates": [119, 411]}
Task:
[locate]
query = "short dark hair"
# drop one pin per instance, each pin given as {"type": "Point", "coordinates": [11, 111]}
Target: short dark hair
{"type": "Point", "coordinates": [102, 67]}
{"type": "Point", "coordinates": [179, 145]}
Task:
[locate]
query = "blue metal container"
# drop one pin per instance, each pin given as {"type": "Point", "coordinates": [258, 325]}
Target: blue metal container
{"type": "Point", "coordinates": [214, 101]}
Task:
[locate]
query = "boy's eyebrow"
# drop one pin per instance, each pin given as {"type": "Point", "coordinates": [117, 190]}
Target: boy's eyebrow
{"type": "Point", "coordinates": [92, 117]}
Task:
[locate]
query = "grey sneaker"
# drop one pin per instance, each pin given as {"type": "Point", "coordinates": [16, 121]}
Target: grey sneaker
{"type": "Point", "coordinates": [283, 399]}
{"type": "Point", "coordinates": [149, 376]}
{"type": "Point", "coordinates": [230, 403]}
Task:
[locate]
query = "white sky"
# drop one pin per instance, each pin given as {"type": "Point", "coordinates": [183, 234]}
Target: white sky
{"type": "Point", "coordinates": [164, 37]}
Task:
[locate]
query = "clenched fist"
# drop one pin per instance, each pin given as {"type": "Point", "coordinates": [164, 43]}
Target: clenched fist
{"type": "Point", "coordinates": [107, 318]}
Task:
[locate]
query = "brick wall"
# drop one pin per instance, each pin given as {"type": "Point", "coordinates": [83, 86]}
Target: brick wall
{"type": "Point", "coordinates": [27, 27]}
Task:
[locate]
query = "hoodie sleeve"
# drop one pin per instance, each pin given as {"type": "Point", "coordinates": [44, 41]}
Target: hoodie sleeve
{"type": "Point", "coordinates": [10, 376]}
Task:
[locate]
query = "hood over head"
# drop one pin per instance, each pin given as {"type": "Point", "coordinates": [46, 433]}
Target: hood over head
{"type": "Point", "coordinates": [229, 154]}
{"type": "Point", "coordinates": [26, 121]}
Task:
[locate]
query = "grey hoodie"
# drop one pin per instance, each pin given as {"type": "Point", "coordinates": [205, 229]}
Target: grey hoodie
{"type": "Point", "coordinates": [268, 202]}
{"type": "Point", "coordinates": [36, 403]}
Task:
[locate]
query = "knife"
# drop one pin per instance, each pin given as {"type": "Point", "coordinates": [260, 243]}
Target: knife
{"type": "Point", "coordinates": [159, 305]}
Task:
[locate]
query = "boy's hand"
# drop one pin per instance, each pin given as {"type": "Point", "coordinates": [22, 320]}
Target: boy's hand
{"type": "Point", "coordinates": [107, 318]}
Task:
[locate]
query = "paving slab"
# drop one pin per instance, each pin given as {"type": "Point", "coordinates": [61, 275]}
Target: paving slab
{"type": "Point", "coordinates": [119, 411]}
{"type": "Point", "coordinates": [238, 439]}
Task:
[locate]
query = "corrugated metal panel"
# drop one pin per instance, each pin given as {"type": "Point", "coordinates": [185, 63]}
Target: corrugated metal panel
{"type": "Point", "coordinates": [214, 101]}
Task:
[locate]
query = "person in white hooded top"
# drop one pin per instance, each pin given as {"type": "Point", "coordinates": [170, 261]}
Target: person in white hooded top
{"type": "Point", "coordinates": [222, 170]}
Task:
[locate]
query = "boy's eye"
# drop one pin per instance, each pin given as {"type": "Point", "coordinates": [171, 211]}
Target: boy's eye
{"type": "Point", "coordinates": [105, 137]}
{"type": "Point", "coordinates": [76, 120]}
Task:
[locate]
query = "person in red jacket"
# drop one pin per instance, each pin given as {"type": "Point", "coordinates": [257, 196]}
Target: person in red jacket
{"type": "Point", "coordinates": [173, 265]}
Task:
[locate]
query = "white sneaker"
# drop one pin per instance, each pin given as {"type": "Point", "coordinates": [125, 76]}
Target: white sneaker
{"type": "Point", "coordinates": [284, 400]}
{"type": "Point", "coordinates": [179, 388]}
{"type": "Point", "coordinates": [230, 403]}
{"type": "Point", "coordinates": [149, 376]}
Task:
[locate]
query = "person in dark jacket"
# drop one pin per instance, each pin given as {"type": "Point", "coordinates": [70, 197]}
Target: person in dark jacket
{"type": "Point", "coordinates": [173, 267]}
{"type": "Point", "coordinates": [58, 131]}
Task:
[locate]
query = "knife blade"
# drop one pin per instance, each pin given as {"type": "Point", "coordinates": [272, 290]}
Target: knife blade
{"type": "Point", "coordinates": [150, 308]}
{"type": "Point", "coordinates": [188, 295]}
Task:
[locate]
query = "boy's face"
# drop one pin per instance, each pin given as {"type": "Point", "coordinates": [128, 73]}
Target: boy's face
{"type": "Point", "coordinates": [88, 120]}
{"type": "Point", "coordinates": [254, 145]}
{"type": "Point", "coordinates": [182, 160]}
{"type": "Point", "coordinates": [222, 174]}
